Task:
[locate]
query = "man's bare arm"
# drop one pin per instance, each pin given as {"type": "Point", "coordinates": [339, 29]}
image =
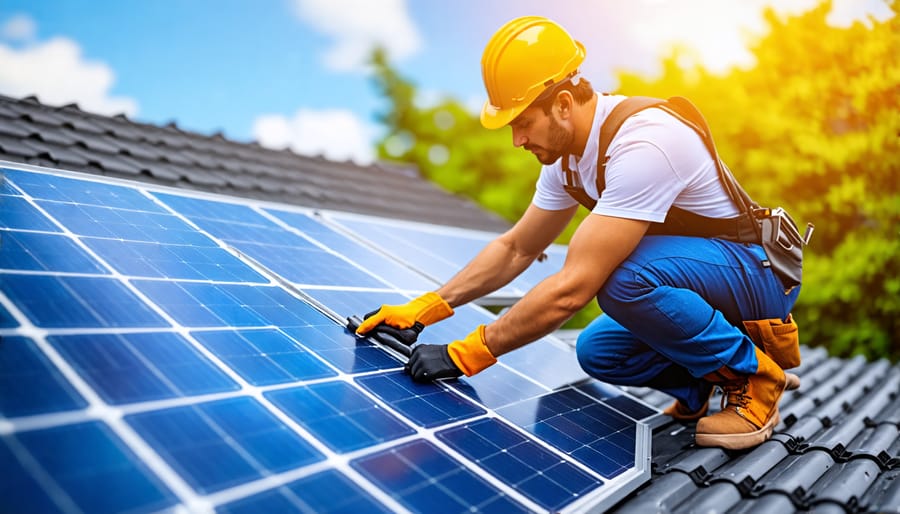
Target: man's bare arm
{"type": "Point", "coordinates": [504, 258]}
{"type": "Point", "coordinates": [599, 245]}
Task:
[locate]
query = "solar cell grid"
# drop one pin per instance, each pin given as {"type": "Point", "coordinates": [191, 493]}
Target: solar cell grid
{"type": "Point", "coordinates": [82, 467]}
{"type": "Point", "coordinates": [56, 188]}
{"type": "Point", "coordinates": [220, 444]}
{"type": "Point", "coordinates": [287, 254]}
{"type": "Point", "coordinates": [16, 212]}
{"type": "Point", "coordinates": [264, 357]}
{"type": "Point", "coordinates": [30, 384]}
{"type": "Point", "coordinates": [590, 432]}
{"type": "Point", "coordinates": [341, 349]}
{"type": "Point", "coordinates": [399, 275]}
{"type": "Point", "coordinates": [125, 368]}
{"type": "Point", "coordinates": [327, 491]}
{"type": "Point", "coordinates": [527, 467]}
{"type": "Point", "coordinates": [77, 302]}
{"type": "Point", "coordinates": [189, 394]}
{"type": "Point", "coordinates": [32, 251]}
{"type": "Point", "coordinates": [339, 415]}
{"type": "Point", "coordinates": [156, 260]}
{"type": "Point", "coordinates": [425, 479]}
{"type": "Point", "coordinates": [427, 405]}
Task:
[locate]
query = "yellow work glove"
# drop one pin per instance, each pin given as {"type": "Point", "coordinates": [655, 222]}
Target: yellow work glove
{"type": "Point", "coordinates": [426, 309]}
{"type": "Point", "coordinates": [433, 361]}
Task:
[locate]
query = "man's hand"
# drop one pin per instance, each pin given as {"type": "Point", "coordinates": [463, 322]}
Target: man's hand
{"type": "Point", "coordinates": [467, 356]}
{"type": "Point", "coordinates": [426, 309]}
{"type": "Point", "coordinates": [430, 362]}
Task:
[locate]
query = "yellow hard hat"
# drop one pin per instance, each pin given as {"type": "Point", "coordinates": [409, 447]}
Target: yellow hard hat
{"type": "Point", "coordinates": [523, 58]}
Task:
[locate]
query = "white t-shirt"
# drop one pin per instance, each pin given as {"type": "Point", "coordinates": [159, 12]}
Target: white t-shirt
{"type": "Point", "coordinates": [655, 162]}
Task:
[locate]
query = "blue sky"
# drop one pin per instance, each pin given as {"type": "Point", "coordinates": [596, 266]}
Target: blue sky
{"type": "Point", "coordinates": [292, 72]}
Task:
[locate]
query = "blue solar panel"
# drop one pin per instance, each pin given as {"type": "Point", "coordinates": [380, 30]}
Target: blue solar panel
{"type": "Point", "coordinates": [590, 432]}
{"type": "Point", "coordinates": [328, 491]}
{"type": "Point", "coordinates": [425, 479]}
{"type": "Point", "coordinates": [199, 304]}
{"type": "Point", "coordinates": [6, 319]}
{"type": "Point", "coordinates": [441, 252]}
{"type": "Point", "coordinates": [544, 477]}
{"type": "Point", "coordinates": [155, 368]}
{"type": "Point", "coordinates": [84, 192]}
{"type": "Point", "coordinates": [221, 444]}
{"type": "Point", "coordinates": [427, 405]}
{"type": "Point", "coordinates": [82, 467]}
{"type": "Point", "coordinates": [33, 251]}
{"type": "Point", "coordinates": [264, 357]}
{"type": "Point", "coordinates": [78, 302]}
{"type": "Point", "coordinates": [129, 225]}
{"type": "Point", "coordinates": [125, 368]}
{"type": "Point", "coordinates": [30, 383]}
{"type": "Point", "coordinates": [615, 398]}
{"type": "Point", "coordinates": [498, 386]}
{"type": "Point", "coordinates": [16, 212]}
{"type": "Point", "coordinates": [290, 255]}
{"type": "Point", "coordinates": [347, 303]}
{"type": "Point", "coordinates": [397, 274]}
{"type": "Point", "coordinates": [156, 260]}
{"type": "Point", "coordinates": [342, 349]}
{"type": "Point", "coordinates": [339, 415]}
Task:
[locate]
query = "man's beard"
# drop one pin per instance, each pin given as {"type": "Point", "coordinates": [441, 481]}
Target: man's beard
{"type": "Point", "coordinates": [559, 139]}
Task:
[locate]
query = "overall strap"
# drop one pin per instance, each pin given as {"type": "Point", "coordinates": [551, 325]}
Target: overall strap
{"type": "Point", "coordinates": [678, 221]}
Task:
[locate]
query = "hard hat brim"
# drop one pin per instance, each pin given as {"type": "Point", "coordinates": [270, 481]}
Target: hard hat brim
{"type": "Point", "coordinates": [493, 118]}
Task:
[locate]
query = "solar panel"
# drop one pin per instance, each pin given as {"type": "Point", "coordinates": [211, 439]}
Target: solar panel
{"type": "Point", "coordinates": [167, 350]}
{"type": "Point", "coordinates": [441, 252]}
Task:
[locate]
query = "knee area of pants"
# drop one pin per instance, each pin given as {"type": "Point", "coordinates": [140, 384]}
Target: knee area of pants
{"type": "Point", "coordinates": [590, 361]}
{"type": "Point", "coordinates": [621, 287]}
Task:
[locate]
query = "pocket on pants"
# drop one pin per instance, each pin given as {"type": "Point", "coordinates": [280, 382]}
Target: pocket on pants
{"type": "Point", "coordinates": [780, 340]}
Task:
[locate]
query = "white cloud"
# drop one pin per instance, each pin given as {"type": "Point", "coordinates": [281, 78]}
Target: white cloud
{"type": "Point", "coordinates": [335, 134]}
{"type": "Point", "coordinates": [57, 73]}
{"type": "Point", "coordinates": [358, 26]}
{"type": "Point", "coordinates": [19, 28]}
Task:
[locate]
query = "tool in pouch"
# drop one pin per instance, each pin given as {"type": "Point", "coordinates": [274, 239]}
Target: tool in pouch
{"type": "Point", "coordinates": [399, 340]}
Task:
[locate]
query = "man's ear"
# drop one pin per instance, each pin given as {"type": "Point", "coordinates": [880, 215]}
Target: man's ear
{"type": "Point", "coordinates": [564, 103]}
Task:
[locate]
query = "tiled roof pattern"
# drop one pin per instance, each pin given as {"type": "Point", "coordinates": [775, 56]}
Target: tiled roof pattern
{"type": "Point", "coordinates": [837, 448]}
{"type": "Point", "coordinates": [71, 139]}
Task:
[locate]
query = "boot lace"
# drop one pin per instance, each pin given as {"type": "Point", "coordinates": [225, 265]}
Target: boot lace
{"type": "Point", "coordinates": [735, 395]}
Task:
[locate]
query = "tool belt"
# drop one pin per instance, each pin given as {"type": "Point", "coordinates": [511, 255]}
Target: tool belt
{"type": "Point", "coordinates": [773, 229]}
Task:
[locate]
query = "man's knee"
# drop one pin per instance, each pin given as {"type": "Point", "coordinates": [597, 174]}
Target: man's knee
{"type": "Point", "coordinates": [594, 357]}
{"type": "Point", "coordinates": [621, 289]}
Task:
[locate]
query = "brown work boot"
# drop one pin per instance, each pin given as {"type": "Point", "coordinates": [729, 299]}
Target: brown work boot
{"type": "Point", "coordinates": [681, 412]}
{"type": "Point", "coordinates": [750, 413]}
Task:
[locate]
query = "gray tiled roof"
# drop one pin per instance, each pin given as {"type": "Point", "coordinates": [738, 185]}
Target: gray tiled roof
{"type": "Point", "coordinates": [836, 450]}
{"type": "Point", "coordinates": [71, 139]}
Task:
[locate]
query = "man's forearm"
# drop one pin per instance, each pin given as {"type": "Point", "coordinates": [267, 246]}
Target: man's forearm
{"type": "Point", "coordinates": [550, 304]}
{"type": "Point", "coordinates": [494, 267]}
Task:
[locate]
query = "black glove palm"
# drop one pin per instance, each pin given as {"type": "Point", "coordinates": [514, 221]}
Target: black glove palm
{"type": "Point", "coordinates": [430, 362]}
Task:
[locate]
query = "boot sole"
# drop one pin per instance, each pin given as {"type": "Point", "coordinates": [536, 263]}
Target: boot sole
{"type": "Point", "coordinates": [740, 441]}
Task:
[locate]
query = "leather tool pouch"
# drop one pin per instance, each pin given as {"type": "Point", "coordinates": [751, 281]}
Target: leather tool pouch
{"type": "Point", "coordinates": [784, 246]}
{"type": "Point", "coordinates": [780, 340]}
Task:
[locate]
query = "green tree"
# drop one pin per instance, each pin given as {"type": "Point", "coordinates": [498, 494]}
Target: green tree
{"type": "Point", "coordinates": [814, 126]}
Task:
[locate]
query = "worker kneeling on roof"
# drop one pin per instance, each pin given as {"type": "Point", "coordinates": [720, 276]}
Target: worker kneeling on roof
{"type": "Point", "coordinates": [661, 250]}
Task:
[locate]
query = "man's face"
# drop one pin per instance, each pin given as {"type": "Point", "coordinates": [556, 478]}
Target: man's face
{"type": "Point", "coordinates": [541, 134]}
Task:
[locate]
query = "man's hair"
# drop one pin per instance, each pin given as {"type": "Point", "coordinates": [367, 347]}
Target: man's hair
{"type": "Point", "coordinates": [581, 92]}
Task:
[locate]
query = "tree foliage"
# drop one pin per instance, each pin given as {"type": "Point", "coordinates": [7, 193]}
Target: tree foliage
{"type": "Point", "coordinates": [814, 127]}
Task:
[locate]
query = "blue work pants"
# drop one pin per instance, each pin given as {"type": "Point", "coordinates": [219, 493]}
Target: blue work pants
{"type": "Point", "coordinates": [671, 313]}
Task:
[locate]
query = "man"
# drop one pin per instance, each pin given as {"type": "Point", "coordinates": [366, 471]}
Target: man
{"type": "Point", "coordinates": [671, 305]}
